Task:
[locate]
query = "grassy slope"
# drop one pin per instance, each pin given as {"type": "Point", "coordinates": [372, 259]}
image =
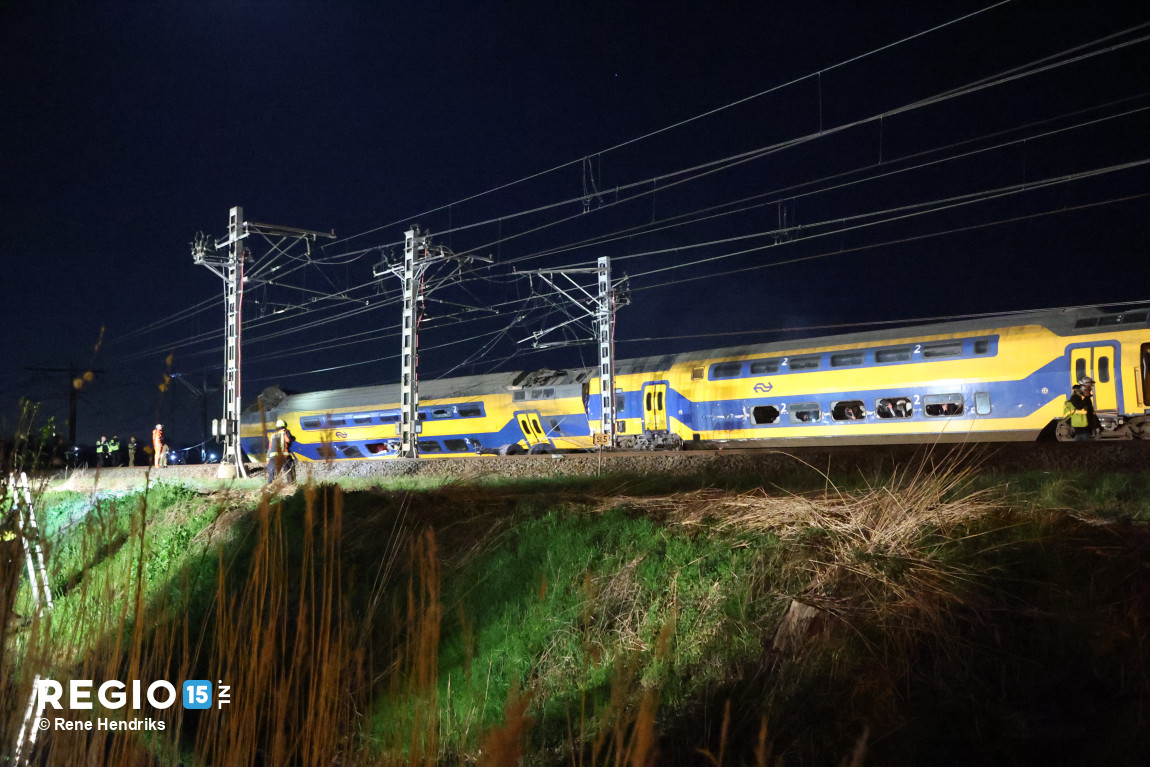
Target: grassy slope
{"type": "Point", "coordinates": [560, 614]}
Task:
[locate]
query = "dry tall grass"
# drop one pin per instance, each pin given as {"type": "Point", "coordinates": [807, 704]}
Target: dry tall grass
{"type": "Point", "coordinates": [280, 633]}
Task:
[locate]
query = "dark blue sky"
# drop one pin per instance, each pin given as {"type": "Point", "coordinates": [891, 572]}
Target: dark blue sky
{"type": "Point", "coordinates": [128, 127]}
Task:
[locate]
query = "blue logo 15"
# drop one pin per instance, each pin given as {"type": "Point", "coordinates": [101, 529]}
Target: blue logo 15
{"type": "Point", "coordinates": [197, 693]}
{"type": "Point", "coordinates": [764, 388]}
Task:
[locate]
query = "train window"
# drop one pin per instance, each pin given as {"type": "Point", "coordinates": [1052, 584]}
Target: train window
{"type": "Point", "coordinates": [429, 446]}
{"type": "Point", "coordinates": [518, 396]}
{"type": "Point", "coordinates": [942, 405]}
{"type": "Point", "coordinates": [764, 367]}
{"type": "Point", "coordinates": [335, 420]}
{"type": "Point", "coordinates": [726, 370]}
{"type": "Point", "coordinates": [1138, 317]}
{"type": "Point", "coordinates": [363, 420]}
{"type": "Point", "coordinates": [621, 426]}
{"type": "Point", "coordinates": [845, 359]}
{"type": "Point", "coordinates": [806, 363]}
{"type": "Point", "coordinates": [647, 402]}
{"type": "Point", "coordinates": [422, 415]}
{"type": "Point", "coordinates": [350, 451]}
{"type": "Point", "coordinates": [893, 407]}
{"type": "Point", "coordinates": [440, 413]}
{"type": "Point", "coordinates": [848, 410]}
{"type": "Point", "coordinates": [325, 451]}
{"type": "Point", "coordinates": [1103, 370]}
{"type": "Point", "coordinates": [982, 402]}
{"type": "Point", "coordinates": [982, 346]}
{"type": "Point", "coordinates": [697, 374]}
{"type": "Point", "coordinates": [555, 426]}
{"type": "Point", "coordinates": [389, 417]}
{"type": "Point", "coordinates": [659, 401]}
{"type": "Point", "coordinates": [1114, 319]}
{"type": "Point", "coordinates": [535, 427]}
{"type": "Point", "coordinates": [470, 410]}
{"type": "Point", "coordinates": [805, 412]}
{"type": "Point", "coordinates": [375, 448]}
{"type": "Point", "coordinates": [1079, 370]}
{"type": "Point", "coordinates": [456, 445]}
{"type": "Point", "coordinates": [931, 351]}
{"type": "Point", "coordinates": [900, 354]}
{"type": "Point", "coordinates": [310, 422]}
{"type": "Point", "coordinates": [763, 414]}
{"type": "Point", "coordinates": [1086, 322]}
{"type": "Point", "coordinates": [620, 401]}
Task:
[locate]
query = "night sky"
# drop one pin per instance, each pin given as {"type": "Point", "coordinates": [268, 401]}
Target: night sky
{"type": "Point", "coordinates": [751, 166]}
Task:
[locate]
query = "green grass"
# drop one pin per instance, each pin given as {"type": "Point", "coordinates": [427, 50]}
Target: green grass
{"type": "Point", "coordinates": [587, 620]}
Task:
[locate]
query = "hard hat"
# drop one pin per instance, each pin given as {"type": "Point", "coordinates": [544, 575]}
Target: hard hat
{"type": "Point", "coordinates": [1086, 380]}
{"type": "Point", "coordinates": [159, 426]}
{"type": "Point", "coordinates": [281, 424]}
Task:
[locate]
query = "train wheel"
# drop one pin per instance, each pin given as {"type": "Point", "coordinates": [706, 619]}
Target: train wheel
{"type": "Point", "coordinates": [1064, 432]}
{"type": "Point", "coordinates": [512, 449]}
{"type": "Point", "coordinates": [540, 449]}
{"type": "Point", "coordinates": [1140, 428]}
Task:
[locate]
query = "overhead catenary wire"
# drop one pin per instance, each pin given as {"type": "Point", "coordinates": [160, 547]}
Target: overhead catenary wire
{"type": "Point", "coordinates": [673, 126]}
{"type": "Point", "coordinates": [791, 192]}
{"type": "Point", "coordinates": [1015, 73]}
{"type": "Point", "coordinates": [351, 313]}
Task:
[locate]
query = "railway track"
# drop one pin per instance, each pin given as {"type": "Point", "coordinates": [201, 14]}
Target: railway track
{"type": "Point", "coordinates": [870, 460]}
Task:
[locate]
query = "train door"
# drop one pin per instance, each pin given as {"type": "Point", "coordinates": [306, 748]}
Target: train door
{"type": "Point", "coordinates": [1100, 363]}
{"type": "Point", "coordinates": [532, 429]}
{"type": "Point", "coordinates": [655, 407]}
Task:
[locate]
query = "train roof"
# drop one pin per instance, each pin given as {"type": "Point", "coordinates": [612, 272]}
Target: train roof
{"type": "Point", "coordinates": [462, 387]}
{"type": "Point", "coordinates": [1062, 322]}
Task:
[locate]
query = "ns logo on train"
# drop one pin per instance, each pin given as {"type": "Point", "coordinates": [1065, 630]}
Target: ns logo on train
{"type": "Point", "coordinates": [763, 388]}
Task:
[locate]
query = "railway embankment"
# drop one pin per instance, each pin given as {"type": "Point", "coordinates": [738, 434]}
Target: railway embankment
{"type": "Point", "coordinates": [869, 461]}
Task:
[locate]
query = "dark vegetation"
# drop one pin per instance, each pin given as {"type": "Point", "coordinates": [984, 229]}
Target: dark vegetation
{"type": "Point", "coordinates": [926, 617]}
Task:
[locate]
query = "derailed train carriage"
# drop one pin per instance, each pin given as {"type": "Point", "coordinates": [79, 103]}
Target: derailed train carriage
{"type": "Point", "coordinates": [995, 379]}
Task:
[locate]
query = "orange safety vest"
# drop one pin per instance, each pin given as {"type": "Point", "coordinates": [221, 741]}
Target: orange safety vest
{"type": "Point", "coordinates": [279, 442]}
{"type": "Point", "coordinates": [157, 439]}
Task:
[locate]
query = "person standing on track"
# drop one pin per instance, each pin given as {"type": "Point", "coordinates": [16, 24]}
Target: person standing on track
{"type": "Point", "coordinates": [280, 459]}
{"type": "Point", "coordinates": [158, 444]}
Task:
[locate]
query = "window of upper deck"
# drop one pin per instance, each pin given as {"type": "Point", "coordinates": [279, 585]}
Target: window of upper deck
{"type": "Point", "coordinates": [809, 362]}
{"type": "Point", "coordinates": [726, 370]}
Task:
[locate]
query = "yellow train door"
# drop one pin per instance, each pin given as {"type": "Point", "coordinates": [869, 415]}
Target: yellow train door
{"type": "Point", "coordinates": [1098, 362]}
{"type": "Point", "coordinates": [532, 429]}
{"type": "Point", "coordinates": [655, 407]}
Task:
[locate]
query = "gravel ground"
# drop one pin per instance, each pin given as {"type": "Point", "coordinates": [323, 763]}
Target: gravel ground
{"type": "Point", "coordinates": [1009, 457]}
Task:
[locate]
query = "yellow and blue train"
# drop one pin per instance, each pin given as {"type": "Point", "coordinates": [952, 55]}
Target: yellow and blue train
{"type": "Point", "coordinates": [994, 379]}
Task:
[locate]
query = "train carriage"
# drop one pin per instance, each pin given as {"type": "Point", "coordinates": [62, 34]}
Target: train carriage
{"type": "Point", "coordinates": [527, 411]}
{"type": "Point", "coordinates": [994, 379]}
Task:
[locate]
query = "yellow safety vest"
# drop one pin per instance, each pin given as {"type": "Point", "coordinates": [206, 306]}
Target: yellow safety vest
{"type": "Point", "coordinates": [1078, 417]}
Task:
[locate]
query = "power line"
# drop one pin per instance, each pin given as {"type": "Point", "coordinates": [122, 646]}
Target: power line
{"type": "Point", "coordinates": [643, 137]}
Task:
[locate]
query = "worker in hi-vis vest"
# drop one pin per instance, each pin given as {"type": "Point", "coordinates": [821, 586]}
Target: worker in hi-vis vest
{"type": "Point", "coordinates": [158, 445]}
{"type": "Point", "coordinates": [279, 452]}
